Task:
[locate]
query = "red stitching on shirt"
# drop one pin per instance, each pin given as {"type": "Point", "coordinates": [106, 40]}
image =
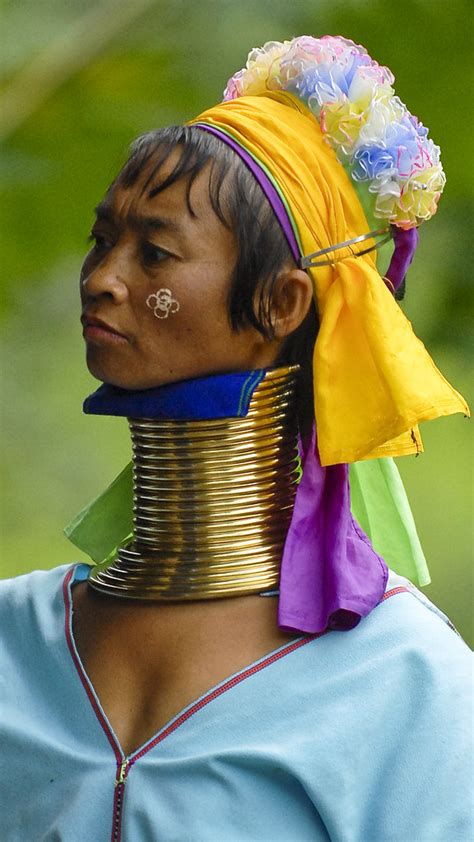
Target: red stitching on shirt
{"type": "Point", "coordinates": [214, 694]}
{"type": "Point", "coordinates": [80, 670]}
{"type": "Point", "coordinates": [394, 591]}
{"type": "Point", "coordinates": [197, 706]}
{"type": "Point", "coordinates": [117, 809]}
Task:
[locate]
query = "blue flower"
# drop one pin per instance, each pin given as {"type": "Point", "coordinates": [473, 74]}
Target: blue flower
{"type": "Point", "coordinates": [327, 81]}
{"type": "Point", "coordinates": [370, 161]}
{"type": "Point", "coordinates": [420, 129]}
{"type": "Point", "coordinates": [406, 144]}
{"type": "Point", "coordinates": [312, 82]}
{"type": "Point", "coordinates": [358, 60]}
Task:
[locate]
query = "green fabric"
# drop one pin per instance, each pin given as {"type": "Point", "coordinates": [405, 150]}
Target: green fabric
{"type": "Point", "coordinates": [378, 500]}
{"type": "Point", "coordinates": [380, 504]}
{"type": "Point", "coordinates": [107, 521]}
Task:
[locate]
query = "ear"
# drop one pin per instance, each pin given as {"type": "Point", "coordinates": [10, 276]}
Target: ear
{"type": "Point", "coordinates": [291, 300]}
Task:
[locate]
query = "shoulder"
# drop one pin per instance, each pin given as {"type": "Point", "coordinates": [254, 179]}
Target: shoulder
{"type": "Point", "coordinates": [409, 620]}
{"type": "Point", "coordinates": [23, 590]}
{"type": "Point", "coordinates": [404, 650]}
{"type": "Point", "coordinates": [31, 604]}
{"type": "Point", "coordinates": [405, 620]}
{"type": "Point", "coordinates": [393, 700]}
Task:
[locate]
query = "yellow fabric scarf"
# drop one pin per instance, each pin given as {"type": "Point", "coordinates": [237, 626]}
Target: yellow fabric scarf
{"type": "Point", "coordinates": [374, 381]}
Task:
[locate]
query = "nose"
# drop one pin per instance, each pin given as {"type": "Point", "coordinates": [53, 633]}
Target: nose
{"type": "Point", "coordinates": [106, 278]}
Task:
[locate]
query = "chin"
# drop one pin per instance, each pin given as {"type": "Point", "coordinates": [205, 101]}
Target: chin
{"type": "Point", "coordinates": [123, 379]}
{"type": "Point", "coordinates": [117, 380]}
{"type": "Point", "coordinates": [108, 373]}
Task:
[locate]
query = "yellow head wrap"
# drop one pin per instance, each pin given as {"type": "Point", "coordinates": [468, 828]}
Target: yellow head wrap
{"type": "Point", "coordinates": [373, 379]}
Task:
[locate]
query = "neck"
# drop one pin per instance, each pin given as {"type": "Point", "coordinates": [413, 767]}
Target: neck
{"type": "Point", "coordinates": [213, 501]}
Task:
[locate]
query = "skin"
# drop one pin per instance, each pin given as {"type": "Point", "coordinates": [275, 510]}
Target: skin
{"type": "Point", "coordinates": [149, 660]}
{"type": "Point", "coordinates": [193, 257]}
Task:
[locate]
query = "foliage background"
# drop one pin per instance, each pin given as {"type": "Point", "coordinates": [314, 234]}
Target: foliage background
{"type": "Point", "coordinates": [82, 78]}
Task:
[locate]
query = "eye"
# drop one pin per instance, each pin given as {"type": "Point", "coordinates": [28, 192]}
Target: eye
{"type": "Point", "coordinates": [152, 255]}
{"type": "Point", "coordinates": [100, 241]}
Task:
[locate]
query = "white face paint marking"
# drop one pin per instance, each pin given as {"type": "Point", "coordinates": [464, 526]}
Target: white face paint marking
{"type": "Point", "coordinates": [162, 303]}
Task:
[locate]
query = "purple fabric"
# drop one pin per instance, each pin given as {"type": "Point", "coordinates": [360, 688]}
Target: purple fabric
{"type": "Point", "coordinates": [269, 190]}
{"type": "Point", "coordinates": [405, 246]}
{"type": "Point", "coordinates": [330, 575]}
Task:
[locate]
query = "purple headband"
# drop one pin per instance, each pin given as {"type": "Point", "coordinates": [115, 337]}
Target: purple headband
{"type": "Point", "coordinates": [268, 188]}
{"type": "Point", "coordinates": [405, 241]}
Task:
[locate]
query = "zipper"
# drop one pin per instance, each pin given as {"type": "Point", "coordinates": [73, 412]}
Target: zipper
{"type": "Point", "coordinates": [123, 768]}
{"type": "Point", "coordinates": [124, 764]}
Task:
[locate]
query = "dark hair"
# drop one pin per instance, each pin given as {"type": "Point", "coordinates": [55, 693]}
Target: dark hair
{"type": "Point", "coordinates": [241, 205]}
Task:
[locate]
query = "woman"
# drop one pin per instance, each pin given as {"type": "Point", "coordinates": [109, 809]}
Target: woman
{"type": "Point", "coordinates": [232, 281]}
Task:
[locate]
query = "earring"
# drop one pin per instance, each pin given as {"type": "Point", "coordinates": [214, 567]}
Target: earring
{"type": "Point", "coordinates": [162, 303]}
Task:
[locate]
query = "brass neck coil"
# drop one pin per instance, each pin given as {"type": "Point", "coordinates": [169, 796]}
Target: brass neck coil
{"type": "Point", "coordinates": [213, 501]}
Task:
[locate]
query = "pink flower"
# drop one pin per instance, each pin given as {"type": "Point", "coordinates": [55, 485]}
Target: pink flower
{"type": "Point", "coordinates": [352, 98]}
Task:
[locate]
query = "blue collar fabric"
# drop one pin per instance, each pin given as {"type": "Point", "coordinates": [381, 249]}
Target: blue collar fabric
{"type": "Point", "coordinates": [217, 396]}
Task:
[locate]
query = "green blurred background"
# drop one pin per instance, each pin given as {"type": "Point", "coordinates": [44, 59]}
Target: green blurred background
{"type": "Point", "coordinates": [80, 80]}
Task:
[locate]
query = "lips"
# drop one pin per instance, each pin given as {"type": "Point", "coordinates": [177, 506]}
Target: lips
{"type": "Point", "coordinates": [95, 328]}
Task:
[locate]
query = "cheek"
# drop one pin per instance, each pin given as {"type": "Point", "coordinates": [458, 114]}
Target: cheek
{"type": "Point", "coordinates": [204, 316]}
{"type": "Point", "coordinates": [185, 312]}
{"type": "Point", "coordinates": [208, 293]}
{"type": "Point", "coordinates": [200, 301]}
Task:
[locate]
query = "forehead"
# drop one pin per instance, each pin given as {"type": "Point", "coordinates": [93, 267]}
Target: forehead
{"type": "Point", "coordinates": [158, 184]}
{"type": "Point", "coordinates": [181, 216]}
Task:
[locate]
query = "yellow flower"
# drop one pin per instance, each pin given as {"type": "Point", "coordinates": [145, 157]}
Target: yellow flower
{"type": "Point", "coordinates": [263, 68]}
{"type": "Point", "coordinates": [419, 196]}
{"type": "Point", "coordinates": [341, 122]}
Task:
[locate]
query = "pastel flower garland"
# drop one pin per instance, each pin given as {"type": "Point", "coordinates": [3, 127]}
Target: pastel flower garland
{"type": "Point", "coordinates": [375, 137]}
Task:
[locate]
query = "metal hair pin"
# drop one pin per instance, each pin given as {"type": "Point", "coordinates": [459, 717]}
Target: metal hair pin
{"type": "Point", "coordinates": [308, 262]}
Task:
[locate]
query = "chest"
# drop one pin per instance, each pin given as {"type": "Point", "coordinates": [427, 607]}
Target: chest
{"type": "Point", "coordinates": [215, 776]}
{"type": "Point", "coordinates": [139, 703]}
{"type": "Point", "coordinates": [258, 757]}
{"type": "Point", "coordinates": [234, 746]}
{"type": "Point", "coordinates": [269, 753]}
{"type": "Point", "coordinates": [145, 673]}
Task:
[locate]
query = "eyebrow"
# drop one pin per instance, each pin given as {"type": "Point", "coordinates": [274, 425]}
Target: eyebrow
{"type": "Point", "coordinates": [143, 224]}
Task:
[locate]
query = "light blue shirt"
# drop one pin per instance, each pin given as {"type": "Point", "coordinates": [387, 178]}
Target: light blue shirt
{"type": "Point", "coordinates": [358, 736]}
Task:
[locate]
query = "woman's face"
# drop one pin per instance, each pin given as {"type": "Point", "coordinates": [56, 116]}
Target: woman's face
{"type": "Point", "coordinates": [155, 288]}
